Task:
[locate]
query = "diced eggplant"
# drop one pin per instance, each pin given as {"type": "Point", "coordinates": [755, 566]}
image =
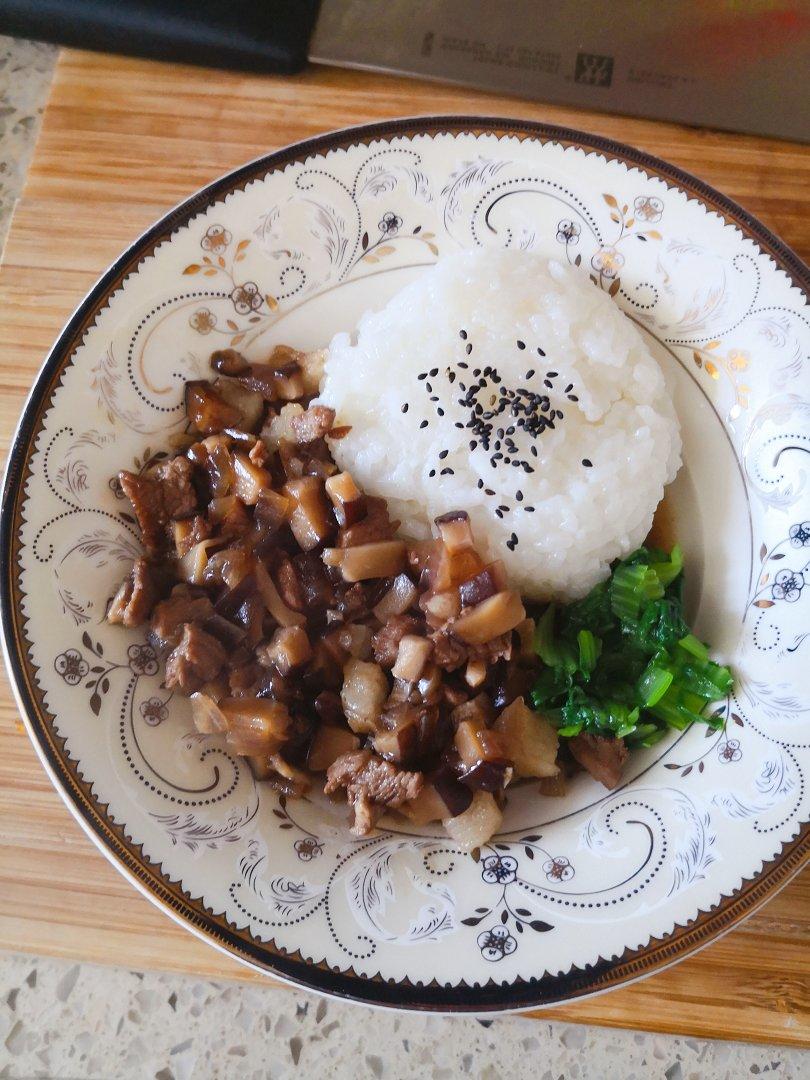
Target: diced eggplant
{"type": "Point", "coordinates": [402, 595]}
{"type": "Point", "coordinates": [430, 684]}
{"type": "Point", "coordinates": [414, 652]}
{"type": "Point", "coordinates": [272, 511]}
{"type": "Point", "coordinates": [283, 615]}
{"type": "Point", "coordinates": [249, 480]}
{"type": "Point", "coordinates": [229, 362]}
{"type": "Point", "coordinates": [207, 411]}
{"type": "Point", "coordinates": [329, 708]}
{"type": "Point", "coordinates": [478, 711]}
{"type": "Point", "coordinates": [316, 587]}
{"type": "Point", "coordinates": [485, 764]}
{"type": "Point", "coordinates": [289, 382]}
{"type": "Point", "coordinates": [455, 531]}
{"type": "Point", "coordinates": [328, 743]}
{"type": "Point", "coordinates": [255, 725]}
{"type": "Point", "coordinates": [385, 558]}
{"type": "Point", "coordinates": [208, 718]}
{"type": "Point", "coordinates": [309, 519]}
{"type": "Point", "coordinates": [229, 515]}
{"type": "Point", "coordinates": [495, 616]}
{"type": "Point", "coordinates": [480, 821]}
{"type": "Point", "coordinates": [455, 796]}
{"type": "Point", "coordinates": [191, 567]}
{"type": "Point", "coordinates": [529, 740]}
{"type": "Point", "coordinates": [480, 587]}
{"type": "Point", "coordinates": [289, 585]}
{"type": "Point", "coordinates": [428, 806]}
{"type": "Point", "coordinates": [375, 526]}
{"type": "Point", "coordinates": [363, 694]}
{"type": "Point", "coordinates": [249, 404]}
{"type": "Point", "coordinates": [280, 774]}
{"type": "Point", "coordinates": [348, 501]}
{"type": "Point", "coordinates": [189, 531]}
{"type": "Point", "coordinates": [228, 567]}
{"type": "Point", "coordinates": [288, 649]}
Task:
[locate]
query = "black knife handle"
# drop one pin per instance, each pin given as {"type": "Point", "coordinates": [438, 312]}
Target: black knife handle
{"type": "Point", "coordinates": [254, 35]}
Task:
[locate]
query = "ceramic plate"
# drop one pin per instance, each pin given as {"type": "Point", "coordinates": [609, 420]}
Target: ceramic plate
{"type": "Point", "coordinates": [577, 894]}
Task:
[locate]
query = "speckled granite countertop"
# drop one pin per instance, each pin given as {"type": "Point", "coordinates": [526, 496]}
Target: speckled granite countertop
{"type": "Point", "coordinates": [80, 1021]}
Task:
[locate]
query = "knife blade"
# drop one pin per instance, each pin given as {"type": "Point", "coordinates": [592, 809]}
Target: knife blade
{"type": "Point", "coordinates": [739, 65]}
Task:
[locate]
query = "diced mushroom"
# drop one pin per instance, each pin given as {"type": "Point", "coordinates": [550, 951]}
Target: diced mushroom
{"type": "Point", "coordinates": [290, 382]}
{"type": "Point", "coordinates": [255, 725]}
{"type": "Point", "coordinates": [496, 616]}
{"type": "Point", "coordinates": [328, 743]}
{"type": "Point", "coordinates": [476, 673]}
{"type": "Point", "coordinates": [280, 774]}
{"type": "Point", "coordinates": [441, 607]}
{"type": "Point", "coordinates": [455, 531]}
{"type": "Point", "coordinates": [312, 365]}
{"type": "Point", "coordinates": [309, 519]}
{"type": "Point", "coordinates": [229, 362]}
{"type": "Point", "coordinates": [288, 649]}
{"type": "Point", "coordinates": [363, 694]}
{"type": "Point", "coordinates": [529, 740]}
{"type": "Point", "coordinates": [207, 411]}
{"type": "Point", "coordinates": [356, 638]}
{"type": "Point", "coordinates": [375, 526]}
{"type": "Point", "coordinates": [348, 501]}
{"type": "Point", "coordinates": [448, 569]}
{"type": "Point", "coordinates": [414, 652]}
{"type": "Point", "coordinates": [477, 824]}
{"type": "Point", "coordinates": [385, 558]}
{"type": "Point", "coordinates": [249, 480]}
{"type": "Point", "coordinates": [478, 711]}
{"type": "Point", "coordinates": [402, 595]}
{"type": "Point", "coordinates": [272, 511]}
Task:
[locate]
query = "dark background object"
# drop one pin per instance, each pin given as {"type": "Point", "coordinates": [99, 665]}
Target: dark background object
{"type": "Point", "coordinates": [251, 35]}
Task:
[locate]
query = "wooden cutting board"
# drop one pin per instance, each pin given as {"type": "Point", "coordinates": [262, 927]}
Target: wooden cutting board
{"type": "Point", "coordinates": [122, 141]}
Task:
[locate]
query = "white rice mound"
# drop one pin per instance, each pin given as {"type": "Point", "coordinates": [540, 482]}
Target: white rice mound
{"type": "Point", "coordinates": [623, 421]}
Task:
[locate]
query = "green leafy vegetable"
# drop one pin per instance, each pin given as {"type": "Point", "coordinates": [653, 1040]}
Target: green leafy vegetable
{"type": "Point", "coordinates": [622, 661]}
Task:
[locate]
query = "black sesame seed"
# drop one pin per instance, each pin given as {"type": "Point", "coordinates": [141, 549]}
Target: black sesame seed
{"type": "Point", "coordinates": [489, 491]}
{"type": "Point", "coordinates": [429, 388]}
{"type": "Point", "coordinates": [559, 414]}
{"type": "Point", "coordinates": [468, 348]}
{"type": "Point", "coordinates": [443, 454]}
{"type": "Point", "coordinates": [587, 463]}
{"type": "Point", "coordinates": [404, 407]}
{"type": "Point", "coordinates": [499, 512]}
{"type": "Point", "coordinates": [540, 352]}
{"type": "Point", "coordinates": [568, 388]}
{"type": "Point", "coordinates": [548, 383]}
{"type": "Point", "coordinates": [480, 484]}
{"type": "Point", "coordinates": [424, 424]}
{"type": "Point", "coordinates": [529, 509]}
{"type": "Point", "coordinates": [422, 377]}
{"type": "Point", "coordinates": [463, 335]}
{"type": "Point", "coordinates": [433, 397]}
{"type": "Point", "coordinates": [552, 374]}
{"type": "Point", "coordinates": [447, 472]}
{"type": "Point", "coordinates": [440, 411]}
{"type": "Point", "coordinates": [533, 451]}
{"type": "Point", "coordinates": [530, 373]}
{"type": "Point", "coordinates": [503, 507]}
{"type": "Point", "coordinates": [432, 472]}
{"type": "Point", "coordinates": [519, 496]}
{"type": "Point", "coordinates": [476, 372]}
{"type": "Point", "coordinates": [573, 397]}
{"type": "Point", "coordinates": [521, 344]}
{"type": "Point", "coordinates": [462, 364]}
{"type": "Point", "coordinates": [527, 468]}
{"type": "Point", "coordinates": [451, 377]}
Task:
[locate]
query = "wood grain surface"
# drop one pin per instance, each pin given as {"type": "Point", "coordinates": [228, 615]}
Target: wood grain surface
{"type": "Point", "coordinates": [124, 140]}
